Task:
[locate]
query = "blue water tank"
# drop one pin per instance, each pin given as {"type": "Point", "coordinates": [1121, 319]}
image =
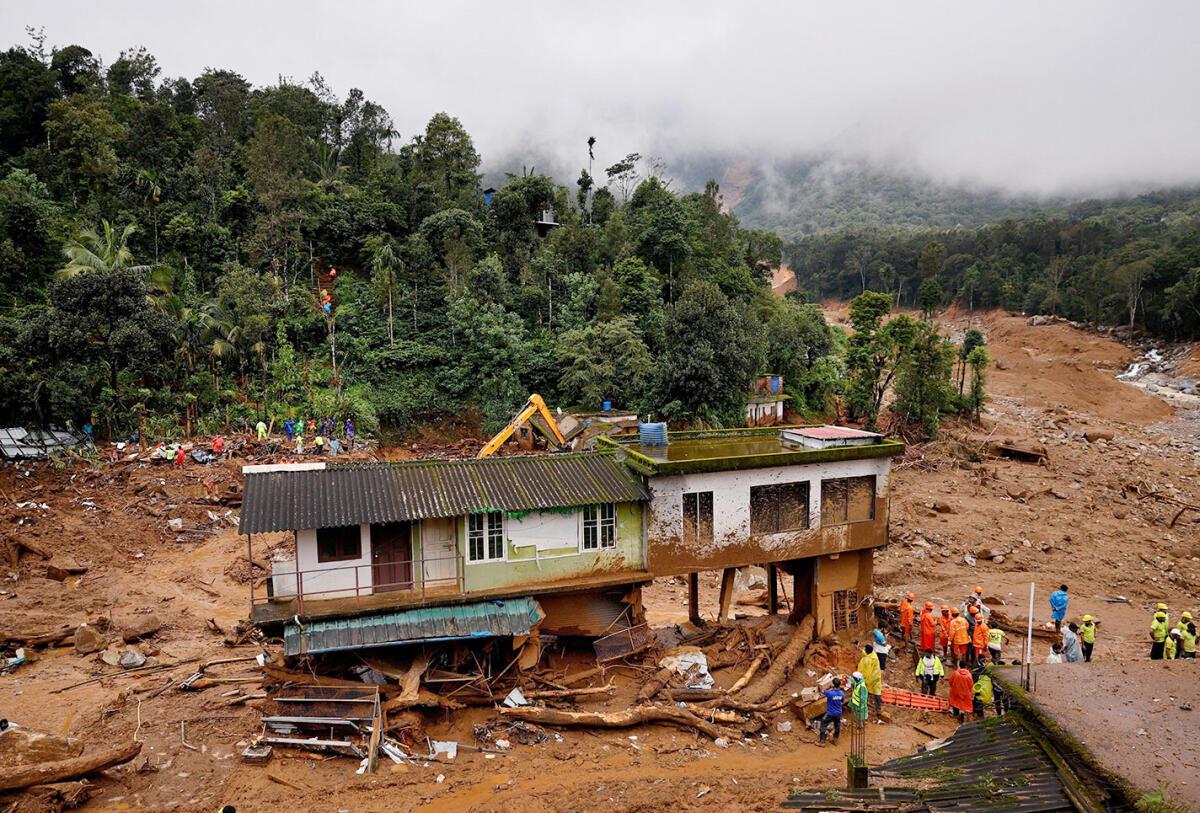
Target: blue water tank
{"type": "Point", "coordinates": [652, 434]}
{"type": "Point", "coordinates": [776, 384]}
{"type": "Point", "coordinates": [606, 406]}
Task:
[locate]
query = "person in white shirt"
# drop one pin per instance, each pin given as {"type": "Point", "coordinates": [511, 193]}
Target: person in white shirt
{"type": "Point", "coordinates": [1056, 656]}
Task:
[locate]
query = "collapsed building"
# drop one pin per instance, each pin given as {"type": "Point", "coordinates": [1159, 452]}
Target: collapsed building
{"type": "Point", "coordinates": [559, 544]}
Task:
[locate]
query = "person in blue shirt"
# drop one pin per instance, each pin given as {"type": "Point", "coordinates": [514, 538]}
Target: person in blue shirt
{"type": "Point", "coordinates": [834, 697]}
{"type": "Point", "coordinates": [1058, 606]}
{"type": "Point", "coordinates": [879, 636]}
{"type": "Point", "coordinates": [289, 429]}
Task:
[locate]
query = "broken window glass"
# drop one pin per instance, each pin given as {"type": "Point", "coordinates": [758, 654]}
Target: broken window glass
{"type": "Point", "coordinates": [697, 517]}
{"type": "Point", "coordinates": [778, 508]}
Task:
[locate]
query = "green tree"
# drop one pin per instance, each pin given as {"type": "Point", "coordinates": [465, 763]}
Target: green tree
{"type": "Point", "coordinates": [83, 136]}
{"type": "Point", "coordinates": [605, 361]}
{"type": "Point", "coordinates": [712, 351]}
{"type": "Point", "coordinates": [384, 267]}
{"type": "Point", "coordinates": [874, 353]}
{"type": "Point", "coordinates": [922, 390]}
{"type": "Point", "coordinates": [104, 250]}
{"type": "Point", "coordinates": [978, 361]}
{"type": "Point", "coordinates": [929, 297]}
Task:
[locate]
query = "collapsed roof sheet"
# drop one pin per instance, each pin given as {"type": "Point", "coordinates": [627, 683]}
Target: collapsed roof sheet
{"type": "Point", "coordinates": [18, 443]}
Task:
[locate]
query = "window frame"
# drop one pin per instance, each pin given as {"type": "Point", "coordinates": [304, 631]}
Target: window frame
{"type": "Point", "coordinates": [602, 523]}
{"type": "Point", "coordinates": [806, 485]}
{"type": "Point", "coordinates": [491, 530]}
{"type": "Point", "coordinates": [340, 544]}
{"type": "Point", "coordinates": [844, 484]}
{"type": "Point", "coordinates": [698, 500]}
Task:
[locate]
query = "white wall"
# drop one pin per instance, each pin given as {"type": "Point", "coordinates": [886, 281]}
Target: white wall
{"type": "Point", "coordinates": [545, 530]}
{"type": "Point", "coordinates": [731, 497]}
{"type": "Point", "coordinates": [340, 578]}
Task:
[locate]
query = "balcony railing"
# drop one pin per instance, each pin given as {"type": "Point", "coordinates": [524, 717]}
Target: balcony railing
{"type": "Point", "coordinates": [358, 582]}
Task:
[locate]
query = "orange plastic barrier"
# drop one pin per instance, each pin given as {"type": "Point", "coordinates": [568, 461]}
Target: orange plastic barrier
{"type": "Point", "coordinates": [914, 700]}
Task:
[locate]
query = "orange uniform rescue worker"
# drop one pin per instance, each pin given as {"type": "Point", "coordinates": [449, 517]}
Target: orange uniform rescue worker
{"type": "Point", "coordinates": [906, 617]}
{"type": "Point", "coordinates": [929, 626]}
{"type": "Point", "coordinates": [944, 630]}
{"type": "Point", "coordinates": [960, 638]}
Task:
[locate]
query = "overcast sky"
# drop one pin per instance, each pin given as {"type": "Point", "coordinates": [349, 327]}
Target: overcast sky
{"type": "Point", "coordinates": [1032, 97]}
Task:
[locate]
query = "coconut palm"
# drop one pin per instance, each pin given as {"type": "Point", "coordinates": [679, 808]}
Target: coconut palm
{"type": "Point", "coordinates": [104, 250]}
{"type": "Point", "coordinates": [384, 265]}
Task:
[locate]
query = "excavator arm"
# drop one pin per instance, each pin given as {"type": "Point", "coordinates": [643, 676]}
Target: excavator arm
{"type": "Point", "coordinates": [535, 405]}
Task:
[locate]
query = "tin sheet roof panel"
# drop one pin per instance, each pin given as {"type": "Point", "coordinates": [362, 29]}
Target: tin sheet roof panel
{"type": "Point", "coordinates": [357, 493]}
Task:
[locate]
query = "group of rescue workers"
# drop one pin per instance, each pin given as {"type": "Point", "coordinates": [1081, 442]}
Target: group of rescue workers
{"type": "Point", "coordinates": [1170, 642]}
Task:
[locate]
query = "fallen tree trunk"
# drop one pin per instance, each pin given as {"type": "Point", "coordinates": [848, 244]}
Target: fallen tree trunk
{"type": "Point", "coordinates": [559, 694]}
{"type": "Point", "coordinates": [744, 679]}
{"type": "Point", "coordinates": [777, 675]}
{"type": "Point", "coordinates": [655, 684]}
{"type": "Point", "coordinates": [742, 705]}
{"type": "Point", "coordinates": [62, 770]}
{"type": "Point", "coordinates": [636, 715]}
{"type": "Point", "coordinates": [694, 694]}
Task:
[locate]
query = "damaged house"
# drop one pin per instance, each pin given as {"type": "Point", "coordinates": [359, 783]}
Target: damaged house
{"type": "Point", "coordinates": [377, 554]}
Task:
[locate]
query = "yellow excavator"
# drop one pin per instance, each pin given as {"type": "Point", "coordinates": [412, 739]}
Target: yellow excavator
{"type": "Point", "coordinates": [534, 406]}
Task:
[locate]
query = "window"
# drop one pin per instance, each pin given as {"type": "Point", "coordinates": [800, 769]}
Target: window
{"type": "Point", "coordinates": [339, 544]}
{"type": "Point", "coordinates": [599, 526]}
{"type": "Point", "coordinates": [777, 508]}
{"type": "Point", "coordinates": [845, 609]}
{"type": "Point", "coordinates": [697, 517]}
{"type": "Point", "coordinates": [485, 537]}
{"type": "Point", "coordinates": [848, 499]}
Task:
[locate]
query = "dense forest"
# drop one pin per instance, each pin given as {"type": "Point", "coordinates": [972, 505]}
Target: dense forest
{"type": "Point", "coordinates": [1133, 262]}
{"type": "Point", "coordinates": [180, 255]}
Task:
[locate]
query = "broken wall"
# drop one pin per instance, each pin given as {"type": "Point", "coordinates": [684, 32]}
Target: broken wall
{"type": "Point", "coordinates": [732, 543]}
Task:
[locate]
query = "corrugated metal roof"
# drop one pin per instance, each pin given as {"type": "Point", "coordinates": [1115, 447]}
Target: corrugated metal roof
{"type": "Point", "coordinates": [356, 493]}
{"type": "Point", "coordinates": [483, 619]}
{"type": "Point", "coordinates": [17, 442]}
{"type": "Point", "coordinates": [988, 765]}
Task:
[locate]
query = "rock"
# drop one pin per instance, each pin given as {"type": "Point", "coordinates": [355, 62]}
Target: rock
{"type": "Point", "coordinates": [970, 560]}
{"type": "Point", "coordinates": [998, 558]}
{"type": "Point", "coordinates": [88, 640]}
{"type": "Point", "coordinates": [941, 507]}
{"type": "Point", "coordinates": [784, 726]}
{"type": "Point", "coordinates": [144, 628]}
{"type": "Point", "coordinates": [1093, 435]}
{"type": "Point", "coordinates": [175, 524]}
{"type": "Point", "coordinates": [111, 656]}
{"type": "Point", "coordinates": [132, 658]}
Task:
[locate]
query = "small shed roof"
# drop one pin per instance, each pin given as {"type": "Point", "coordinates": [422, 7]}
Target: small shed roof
{"type": "Point", "coordinates": [284, 499]}
{"type": "Point", "coordinates": [483, 619]}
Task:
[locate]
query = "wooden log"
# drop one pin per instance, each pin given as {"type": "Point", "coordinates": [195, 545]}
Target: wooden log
{"type": "Point", "coordinates": [791, 655]}
{"type": "Point", "coordinates": [655, 684]}
{"type": "Point", "coordinates": [695, 694]}
{"type": "Point", "coordinates": [579, 677]}
{"type": "Point", "coordinates": [716, 715]}
{"type": "Point", "coordinates": [626, 718]}
{"type": "Point", "coordinates": [726, 593]}
{"type": "Point", "coordinates": [559, 694]}
{"type": "Point", "coordinates": [744, 679]}
{"type": "Point", "coordinates": [62, 770]}
{"type": "Point", "coordinates": [694, 598]}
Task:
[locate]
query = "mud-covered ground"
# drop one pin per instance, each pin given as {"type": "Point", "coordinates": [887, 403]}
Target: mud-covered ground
{"type": "Point", "coordinates": [1083, 517]}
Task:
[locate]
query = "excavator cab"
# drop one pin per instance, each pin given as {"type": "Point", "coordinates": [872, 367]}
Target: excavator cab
{"type": "Point", "coordinates": [520, 426]}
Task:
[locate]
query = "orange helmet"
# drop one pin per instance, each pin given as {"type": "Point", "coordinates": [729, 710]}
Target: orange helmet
{"type": "Point", "coordinates": [945, 608]}
{"type": "Point", "coordinates": [910, 596]}
{"type": "Point", "coordinates": [979, 590]}
{"type": "Point", "coordinates": [973, 609]}
{"type": "Point", "coordinates": [953, 611]}
{"type": "Point", "coordinates": [929, 605]}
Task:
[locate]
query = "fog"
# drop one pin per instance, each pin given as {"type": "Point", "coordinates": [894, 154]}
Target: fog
{"type": "Point", "coordinates": [1032, 98]}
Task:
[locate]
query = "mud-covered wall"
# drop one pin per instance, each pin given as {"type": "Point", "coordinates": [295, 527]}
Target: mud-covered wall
{"type": "Point", "coordinates": [732, 544]}
{"type": "Point", "coordinates": [548, 547]}
{"type": "Point", "coordinates": [852, 570]}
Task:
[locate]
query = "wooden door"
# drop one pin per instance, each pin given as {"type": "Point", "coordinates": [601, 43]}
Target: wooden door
{"type": "Point", "coordinates": [391, 557]}
{"type": "Point", "coordinates": [439, 551]}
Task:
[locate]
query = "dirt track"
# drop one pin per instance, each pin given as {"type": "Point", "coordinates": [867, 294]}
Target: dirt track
{"type": "Point", "coordinates": [1080, 526]}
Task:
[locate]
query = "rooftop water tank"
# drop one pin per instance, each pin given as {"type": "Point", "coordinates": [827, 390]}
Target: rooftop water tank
{"type": "Point", "coordinates": [652, 434]}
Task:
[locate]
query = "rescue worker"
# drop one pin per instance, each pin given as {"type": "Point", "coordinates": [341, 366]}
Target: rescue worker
{"type": "Point", "coordinates": [962, 692]}
{"type": "Point", "coordinates": [960, 638]}
{"type": "Point", "coordinates": [1187, 636]}
{"type": "Point", "coordinates": [289, 429]}
{"type": "Point", "coordinates": [996, 639]}
{"type": "Point", "coordinates": [834, 697]}
{"type": "Point", "coordinates": [929, 626]}
{"type": "Point", "coordinates": [858, 697]}
{"type": "Point", "coordinates": [1087, 635]}
{"type": "Point", "coordinates": [879, 636]}
{"type": "Point", "coordinates": [983, 695]}
{"type": "Point", "coordinates": [906, 617]}
{"type": "Point", "coordinates": [261, 429]}
{"type": "Point", "coordinates": [868, 664]}
{"type": "Point", "coordinates": [976, 598]}
{"type": "Point", "coordinates": [1158, 635]}
{"type": "Point", "coordinates": [980, 639]}
{"type": "Point", "coordinates": [944, 630]}
{"type": "Point", "coordinates": [1171, 646]}
{"type": "Point", "coordinates": [972, 616]}
{"type": "Point", "coordinates": [929, 671]}
{"type": "Point", "coordinates": [180, 455]}
{"type": "Point", "coordinates": [218, 445]}
{"type": "Point", "coordinates": [1058, 606]}
{"type": "Point", "coordinates": [1162, 608]}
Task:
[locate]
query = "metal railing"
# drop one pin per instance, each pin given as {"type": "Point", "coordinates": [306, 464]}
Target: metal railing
{"type": "Point", "coordinates": [336, 582]}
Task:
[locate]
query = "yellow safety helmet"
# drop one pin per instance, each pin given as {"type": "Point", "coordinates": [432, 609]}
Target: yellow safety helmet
{"type": "Point", "coordinates": [1161, 615]}
{"type": "Point", "coordinates": [1186, 614]}
{"type": "Point", "coordinates": [1161, 606]}
{"type": "Point", "coordinates": [1087, 618]}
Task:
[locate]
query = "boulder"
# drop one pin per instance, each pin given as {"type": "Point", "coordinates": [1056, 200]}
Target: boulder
{"type": "Point", "coordinates": [143, 628]}
{"type": "Point", "coordinates": [1093, 435]}
{"type": "Point", "coordinates": [132, 658]}
{"type": "Point", "coordinates": [88, 640]}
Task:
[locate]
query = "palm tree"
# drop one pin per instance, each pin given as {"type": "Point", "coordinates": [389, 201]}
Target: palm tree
{"type": "Point", "coordinates": [148, 179]}
{"type": "Point", "coordinates": [384, 265]}
{"type": "Point", "coordinates": [106, 250]}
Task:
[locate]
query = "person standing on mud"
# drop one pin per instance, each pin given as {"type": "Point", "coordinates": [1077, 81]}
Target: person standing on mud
{"type": "Point", "coordinates": [930, 670]}
{"type": "Point", "coordinates": [834, 697]}
{"type": "Point", "coordinates": [1058, 606]}
{"type": "Point", "coordinates": [879, 638]}
{"type": "Point", "coordinates": [1171, 646]}
{"type": "Point", "coordinates": [1071, 648]}
{"type": "Point", "coordinates": [960, 638]}
{"type": "Point", "coordinates": [929, 625]}
{"type": "Point", "coordinates": [906, 617]}
{"type": "Point", "coordinates": [944, 630]}
{"type": "Point", "coordinates": [858, 697]}
{"type": "Point", "coordinates": [1087, 635]}
{"type": "Point", "coordinates": [1187, 635]}
{"type": "Point", "coordinates": [962, 692]}
{"type": "Point", "coordinates": [868, 664]}
{"type": "Point", "coordinates": [996, 639]}
{"type": "Point", "coordinates": [1158, 635]}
